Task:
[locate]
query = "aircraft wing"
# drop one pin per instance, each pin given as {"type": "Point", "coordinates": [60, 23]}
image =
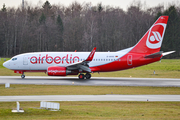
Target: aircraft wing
{"type": "Point", "coordinates": [82, 65]}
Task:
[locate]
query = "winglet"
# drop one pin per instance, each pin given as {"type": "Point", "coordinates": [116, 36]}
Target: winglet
{"type": "Point", "coordinates": [91, 55]}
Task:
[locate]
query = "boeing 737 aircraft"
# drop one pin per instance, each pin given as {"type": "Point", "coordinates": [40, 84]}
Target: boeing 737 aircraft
{"type": "Point", "coordinates": [146, 51]}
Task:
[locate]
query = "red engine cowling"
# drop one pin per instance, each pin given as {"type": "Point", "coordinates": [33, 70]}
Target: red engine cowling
{"type": "Point", "coordinates": [56, 71]}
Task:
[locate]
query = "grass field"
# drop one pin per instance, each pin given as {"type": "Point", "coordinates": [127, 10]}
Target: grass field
{"type": "Point", "coordinates": [94, 110]}
{"type": "Point", "coordinates": [85, 90]}
{"type": "Point", "coordinates": [166, 68]}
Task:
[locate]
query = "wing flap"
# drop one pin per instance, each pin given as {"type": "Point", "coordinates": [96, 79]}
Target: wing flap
{"type": "Point", "coordinates": [85, 68]}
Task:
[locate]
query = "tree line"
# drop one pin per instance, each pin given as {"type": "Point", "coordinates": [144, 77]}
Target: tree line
{"type": "Point", "coordinates": [81, 27]}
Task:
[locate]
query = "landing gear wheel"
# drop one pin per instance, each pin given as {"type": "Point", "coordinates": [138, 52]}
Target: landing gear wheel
{"type": "Point", "coordinates": [88, 75]}
{"type": "Point", "coordinates": [23, 76]}
{"type": "Point", "coordinates": [81, 76]}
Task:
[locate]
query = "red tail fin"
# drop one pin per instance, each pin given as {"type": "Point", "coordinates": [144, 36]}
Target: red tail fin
{"type": "Point", "coordinates": [152, 40]}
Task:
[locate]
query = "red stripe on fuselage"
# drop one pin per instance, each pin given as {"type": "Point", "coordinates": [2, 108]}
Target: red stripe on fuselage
{"type": "Point", "coordinates": [137, 60]}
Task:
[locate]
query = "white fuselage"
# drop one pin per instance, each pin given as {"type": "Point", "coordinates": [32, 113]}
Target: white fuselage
{"type": "Point", "coordinates": [43, 60]}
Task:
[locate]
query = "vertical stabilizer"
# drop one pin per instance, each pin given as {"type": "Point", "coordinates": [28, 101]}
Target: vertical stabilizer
{"type": "Point", "coordinates": [151, 42]}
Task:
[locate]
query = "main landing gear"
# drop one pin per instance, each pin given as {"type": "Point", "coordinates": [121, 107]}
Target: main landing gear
{"type": "Point", "coordinates": [82, 76]}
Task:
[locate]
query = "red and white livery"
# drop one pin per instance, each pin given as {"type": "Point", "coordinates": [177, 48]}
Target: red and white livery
{"type": "Point", "coordinates": [146, 51]}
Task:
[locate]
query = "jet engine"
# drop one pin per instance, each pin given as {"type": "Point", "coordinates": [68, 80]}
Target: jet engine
{"type": "Point", "coordinates": [57, 71]}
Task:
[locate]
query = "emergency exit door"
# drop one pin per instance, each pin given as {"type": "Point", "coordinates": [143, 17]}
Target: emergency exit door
{"type": "Point", "coordinates": [129, 59]}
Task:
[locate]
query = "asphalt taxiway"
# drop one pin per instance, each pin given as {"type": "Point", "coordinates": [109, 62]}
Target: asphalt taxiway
{"type": "Point", "coordinates": [94, 81]}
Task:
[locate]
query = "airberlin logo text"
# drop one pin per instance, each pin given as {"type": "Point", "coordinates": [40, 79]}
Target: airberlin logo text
{"type": "Point", "coordinates": [56, 71]}
{"type": "Point", "coordinates": [49, 59]}
{"type": "Point", "coordinates": [155, 36]}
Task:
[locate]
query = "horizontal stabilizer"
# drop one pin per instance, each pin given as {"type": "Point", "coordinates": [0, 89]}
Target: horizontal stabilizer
{"type": "Point", "coordinates": [167, 53]}
{"type": "Point", "coordinates": [154, 55]}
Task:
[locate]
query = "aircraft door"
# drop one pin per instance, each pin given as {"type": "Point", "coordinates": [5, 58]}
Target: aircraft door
{"type": "Point", "coordinates": [25, 60]}
{"type": "Point", "coordinates": [129, 59]}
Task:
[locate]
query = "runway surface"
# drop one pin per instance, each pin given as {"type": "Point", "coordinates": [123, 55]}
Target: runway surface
{"type": "Point", "coordinates": [92, 98]}
{"type": "Point", "coordinates": [94, 81]}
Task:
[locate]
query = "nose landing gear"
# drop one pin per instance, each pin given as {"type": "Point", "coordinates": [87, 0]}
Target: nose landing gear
{"type": "Point", "coordinates": [23, 76]}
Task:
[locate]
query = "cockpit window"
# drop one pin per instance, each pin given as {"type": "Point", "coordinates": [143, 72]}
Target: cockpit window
{"type": "Point", "coordinates": [14, 59]}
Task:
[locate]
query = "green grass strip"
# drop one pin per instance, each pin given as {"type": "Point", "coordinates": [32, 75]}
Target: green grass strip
{"type": "Point", "coordinates": [85, 90]}
{"type": "Point", "coordinates": [94, 110]}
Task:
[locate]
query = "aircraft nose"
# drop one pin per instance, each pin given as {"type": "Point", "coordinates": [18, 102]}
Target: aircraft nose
{"type": "Point", "coordinates": [6, 64]}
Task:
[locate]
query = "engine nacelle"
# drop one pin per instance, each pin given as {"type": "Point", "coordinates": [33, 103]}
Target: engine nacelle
{"type": "Point", "coordinates": [57, 71]}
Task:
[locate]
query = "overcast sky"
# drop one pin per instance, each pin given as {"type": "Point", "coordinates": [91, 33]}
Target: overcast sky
{"type": "Point", "coordinates": [121, 3]}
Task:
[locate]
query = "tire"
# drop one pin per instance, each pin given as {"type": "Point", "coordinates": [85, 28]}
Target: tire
{"type": "Point", "coordinates": [22, 76]}
{"type": "Point", "coordinates": [88, 76]}
{"type": "Point", "coordinates": [81, 76]}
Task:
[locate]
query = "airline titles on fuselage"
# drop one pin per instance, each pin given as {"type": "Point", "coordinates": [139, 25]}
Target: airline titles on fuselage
{"type": "Point", "coordinates": [69, 59]}
{"type": "Point", "coordinates": [57, 59]}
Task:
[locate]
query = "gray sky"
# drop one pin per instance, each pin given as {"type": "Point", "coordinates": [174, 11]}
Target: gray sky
{"type": "Point", "coordinates": [121, 3]}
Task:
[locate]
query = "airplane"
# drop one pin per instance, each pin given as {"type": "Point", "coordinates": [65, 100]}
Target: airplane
{"type": "Point", "coordinates": [146, 51]}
